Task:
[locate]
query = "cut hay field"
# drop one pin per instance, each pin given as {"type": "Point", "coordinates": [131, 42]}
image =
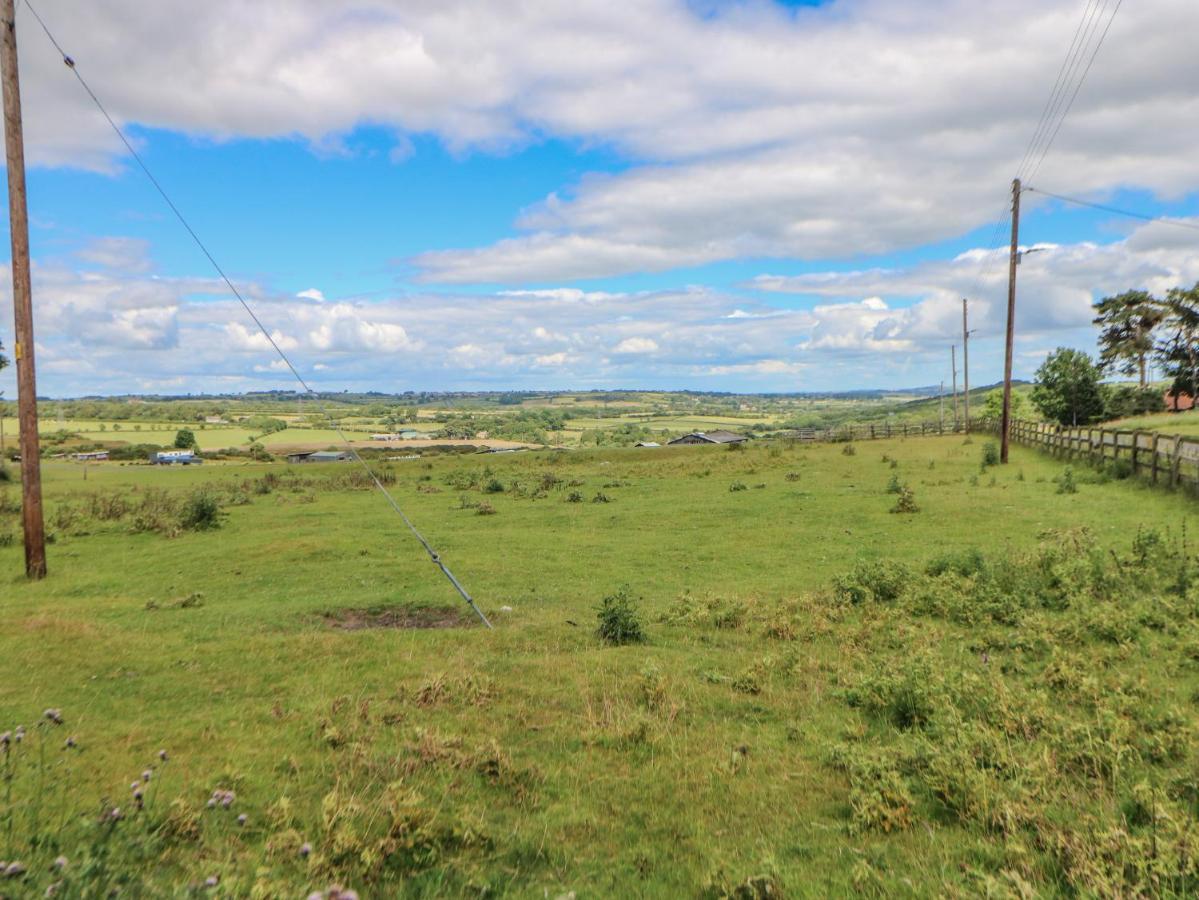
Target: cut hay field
{"type": "Point", "coordinates": [995, 694]}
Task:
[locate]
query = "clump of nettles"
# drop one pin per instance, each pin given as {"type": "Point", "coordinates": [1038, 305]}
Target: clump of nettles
{"type": "Point", "coordinates": [619, 620]}
{"type": "Point", "coordinates": [1065, 482]}
{"type": "Point", "coordinates": [849, 450]}
{"type": "Point", "coordinates": [905, 502]}
{"type": "Point", "coordinates": [990, 454]}
{"type": "Point", "coordinates": [894, 486]}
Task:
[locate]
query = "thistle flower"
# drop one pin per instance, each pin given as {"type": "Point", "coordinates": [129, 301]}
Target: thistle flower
{"type": "Point", "coordinates": [162, 754]}
{"type": "Point", "coordinates": [5, 739]}
{"type": "Point", "coordinates": [60, 863]}
{"type": "Point", "coordinates": [53, 715]}
{"type": "Point", "coordinates": [114, 814]}
{"type": "Point", "coordinates": [69, 743]}
{"type": "Point", "coordinates": [305, 849]}
{"type": "Point", "coordinates": [212, 881]}
{"type": "Point", "coordinates": [14, 869]}
{"type": "Point", "coordinates": [212, 802]}
{"type": "Point", "coordinates": [135, 785]}
{"type": "Point", "coordinates": [241, 820]}
{"type": "Point", "coordinates": [19, 734]}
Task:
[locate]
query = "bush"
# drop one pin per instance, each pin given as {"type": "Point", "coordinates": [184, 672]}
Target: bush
{"type": "Point", "coordinates": [200, 512]}
{"type": "Point", "coordinates": [1065, 482]}
{"type": "Point", "coordinates": [574, 497]}
{"type": "Point", "coordinates": [877, 581]}
{"type": "Point", "coordinates": [1120, 469]}
{"type": "Point", "coordinates": [737, 486]}
{"type": "Point", "coordinates": [493, 487]}
{"type": "Point", "coordinates": [5, 472]}
{"type": "Point", "coordinates": [893, 486]}
{"type": "Point", "coordinates": [619, 620]}
{"type": "Point", "coordinates": [849, 450]}
{"type": "Point", "coordinates": [990, 454]}
{"type": "Point", "coordinates": [906, 502]}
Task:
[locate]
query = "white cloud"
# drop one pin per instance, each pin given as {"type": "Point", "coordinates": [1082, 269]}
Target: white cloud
{"type": "Point", "coordinates": [749, 129]}
{"type": "Point", "coordinates": [636, 345]}
{"type": "Point", "coordinates": [119, 253]}
{"type": "Point", "coordinates": [312, 294]}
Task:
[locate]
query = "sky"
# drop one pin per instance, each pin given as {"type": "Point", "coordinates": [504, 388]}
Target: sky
{"type": "Point", "coordinates": [727, 196]}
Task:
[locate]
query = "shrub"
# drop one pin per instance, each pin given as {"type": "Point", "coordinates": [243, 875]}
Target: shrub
{"type": "Point", "coordinates": [737, 486]}
{"type": "Point", "coordinates": [574, 497]}
{"type": "Point", "coordinates": [849, 450]}
{"type": "Point", "coordinates": [619, 620]}
{"type": "Point", "coordinates": [1120, 469]}
{"type": "Point", "coordinates": [879, 581]}
{"type": "Point", "coordinates": [990, 454]}
{"type": "Point", "coordinates": [893, 486]}
{"type": "Point", "coordinates": [1065, 482]}
{"type": "Point", "coordinates": [485, 509]}
{"type": "Point", "coordinates": [493, 487]}
{"type": "Point", "coordinates": [962, 562]}
{"type": "Point", "coordinates": [601, 497]}
{"type": "Point", "coordinates": [906, 502]}
{"type": "Point", "coordinates": [200, 512]}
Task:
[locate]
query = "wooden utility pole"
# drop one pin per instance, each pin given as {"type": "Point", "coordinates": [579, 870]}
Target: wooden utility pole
{"type": "Point", "coordinates": [14, 145]}
{"type": "Point", "coordinates": [941, 408]}
{"type": "Point", "coordinates": [965, 369]}
{"type": "Point", "coordinates": [953, 362]}
{"type": "Point", "coordinates": [1013, 261]}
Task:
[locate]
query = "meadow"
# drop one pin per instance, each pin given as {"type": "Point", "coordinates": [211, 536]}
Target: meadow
{"type": "Point", "coordinates": [990, 691]}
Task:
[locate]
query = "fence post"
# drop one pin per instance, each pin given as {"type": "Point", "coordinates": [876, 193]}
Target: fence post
{"type": "Point", "coordinates": [1136, 451]}
{"type": "Point", "coordinates": [1153, 465]}
{"type": "Point", "coordinates": [1175, 460]}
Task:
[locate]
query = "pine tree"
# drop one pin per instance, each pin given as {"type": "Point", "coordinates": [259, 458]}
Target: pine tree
{"type": "Point", "coordinates": [1178, 354]}
{"type": "Point", "coordinates": [1128, 321]}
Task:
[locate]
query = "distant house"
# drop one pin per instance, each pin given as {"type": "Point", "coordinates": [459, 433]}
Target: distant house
{"type": "Point", "coordinates": [1179, 402]}
{"type": "Point", "coordinates": [647, 444]}
{"type": "Point", "coordinates": [410, 435]}
{"type": "Point", "coordinates": [320, 456]}
{"type": "Point", "coordinates": [215, 420]}
{"type": "Point", "coordinates": [710, 437]}
{"type": "Point", "coordinates": [176, 458]}
{"type": "Point", "coordinates": [94, 456]}
{"type": "Point", "coordinates": [387, 437]}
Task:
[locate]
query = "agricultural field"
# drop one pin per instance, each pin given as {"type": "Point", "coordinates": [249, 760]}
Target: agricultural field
{"type": "Point", "coordinates": [1186, 423]}
{"type": "Point", "coordinates": [880, 668]}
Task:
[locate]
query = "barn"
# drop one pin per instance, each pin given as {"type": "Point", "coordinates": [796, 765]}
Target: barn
{"type": "Point", "coordinates": [710, 437]}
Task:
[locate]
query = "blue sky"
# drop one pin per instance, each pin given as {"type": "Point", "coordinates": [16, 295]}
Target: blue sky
{"type": "Point", "coordinates": [751, 196]}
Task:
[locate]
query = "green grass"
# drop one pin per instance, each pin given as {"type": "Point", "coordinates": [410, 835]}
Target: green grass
{"type": "Point", "coordinates": [752, 734]}
{"type": "Point", "coordinates": [1186, 423]}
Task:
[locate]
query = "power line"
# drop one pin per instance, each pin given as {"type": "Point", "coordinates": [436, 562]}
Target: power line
{"type": "Point", "coordinates": [1116, 210]}
{"type": "Point", "coordinates": [433, 554]}
{"type": "Point", "coordinates": [1070, 105]}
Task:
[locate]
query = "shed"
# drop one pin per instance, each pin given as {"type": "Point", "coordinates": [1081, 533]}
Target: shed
{"type": "Point", "coordinates": [710, 437]}
{"type": "Point", "coordinates": [647, 444]}
{"type": "Point", "coordinates": [325, 456]}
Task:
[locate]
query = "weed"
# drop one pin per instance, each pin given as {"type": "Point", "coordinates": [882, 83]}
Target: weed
{"type": "Point", "coordinates": [574, 497]}
{"type": "Point", "coordinates": [849, 450]}
{"type": "Point", "coordinates": [737, 486]}
{"type": "Point", "coordinates": [872, 581]}
{"type": "Point", "coordinates": [1065, 482]}
{"type": "Point", "coordinates": [990, 454]}
{"type": "Point", "coordinates": [894, 486]}
{"type": "Point", "coordinates": [601, 497]}
{"type": "Point", "coordinates": [200, 512]}
{"type": "Point", "coordinates": [485, 509]}
{"type": "Point", "coordinates": [905, 502]}
{"type": "Point", "coordinates": [619, 619]}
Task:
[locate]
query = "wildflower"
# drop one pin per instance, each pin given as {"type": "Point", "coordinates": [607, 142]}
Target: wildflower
{"type": "Point", "coordinates": [305, 849]}
{"type": "Point", "coordinates": [114, 814]}
{"type": "Point", "coordinates": [162, 754]}
{"type": "Point", "coordinates": [241, 820]}
{"type": "Point", "coordinates": [69, 743]}
{"type": "Point", "coordinates": [53, 715]}
{"type": "Point", "coordinates": [146, 775]}
{"type": "Point", "coordinates": [212, 881]}
{"type": "Point", "coordinates": [135, 785]}
{"type": "Point", "coordinates": [5, 739]}
{"type": "Point", "coordinates": [212, 802]}
{"type": "Point", "coordinates": [19, 734]}
{"type": "Point", "coordinates": [14, 869]}
{"type": "Point", "coordinates": [61, 863]}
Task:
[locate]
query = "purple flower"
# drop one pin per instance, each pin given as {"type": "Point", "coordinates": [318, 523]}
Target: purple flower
{"type": "Point", "coordinates": [135, 785]}
{"type": "Point", "coordinates": [162, 754]}
{"type": "Point", "coordinates": [5, 739]}
{"type": "Point", "coordinates": [69, 743]}
{"type": "Point", "coordinates": [61, 863]}
{"type": "Point", "coordinates": [305, 848]}
{"type": "Point", "coordinates": [241, 820]}
{"type": "Point", "coordinates": [114, 814]}
{"type": "Point", "coordinates": [14, 870]}
{"type": "Point", "coordinates": [53, 715]}
{"type": "Point", "coordinates": [212, 881]}
{"type": "Point", "coordinates": [146, 775]}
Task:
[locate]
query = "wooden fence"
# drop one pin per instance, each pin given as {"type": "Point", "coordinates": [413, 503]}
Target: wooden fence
{"type": "Point", "coordinates": [1168, 459]}
{"type": "Point", "coordinates": [867, 432]}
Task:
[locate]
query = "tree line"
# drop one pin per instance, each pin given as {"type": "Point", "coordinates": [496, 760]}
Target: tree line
{"type": "Point", "coordinates": [1136, 330]}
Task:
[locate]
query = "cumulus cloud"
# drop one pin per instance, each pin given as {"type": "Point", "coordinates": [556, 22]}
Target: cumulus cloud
{"type": "Point", "coordinates": [749, 130]}
{"type": "Point", "coordinates": [820, 331]}
{"type": "Point", "coordinates": [120, 253]}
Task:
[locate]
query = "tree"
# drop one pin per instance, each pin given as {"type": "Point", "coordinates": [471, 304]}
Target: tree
{"type": "Point", "coordinates": [993, 405]}
{"type": "Point", "coordinates": [185, 439]}
{"type": "Point", "coordinates": [1128, 322]}
{"type": "Point", "coordinates": [1067, 389]}
{"type": "Point", "coordinates": [1178, 354]}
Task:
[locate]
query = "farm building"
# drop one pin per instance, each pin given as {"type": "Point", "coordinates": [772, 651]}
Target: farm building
{"type": "Point", "coordinates": [409, 435]}
{"type": "Point", "coordinates": [176, 458]}
{"type": "Point", "coordinates": [319, 456]}
{"type": "Point", "coordinates": [710, 437]}
{"type": "Point", "coordinates": [647, 444]}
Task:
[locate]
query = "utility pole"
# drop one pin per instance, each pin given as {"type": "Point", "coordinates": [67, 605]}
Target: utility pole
{"type": "Point", "coordinates": [965, 370]}
{"type": "Point", "coordinates": [1013, 261]}
{"type": "Point", "coordinates": [941, 407]}
{"type": "Point", "coordinates": [14, 146]}
{"type": "Point", "coordinates": [953, 362]}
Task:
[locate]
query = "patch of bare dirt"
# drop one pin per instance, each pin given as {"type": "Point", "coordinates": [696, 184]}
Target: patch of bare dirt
{"type": "Point", "coordinates": [350, 619]}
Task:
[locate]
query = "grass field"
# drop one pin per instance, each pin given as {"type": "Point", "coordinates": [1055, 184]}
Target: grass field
{"type": "Point", "coordinates": [1186, 423]}
{"type": "Point", "coordinates": [812, 711]}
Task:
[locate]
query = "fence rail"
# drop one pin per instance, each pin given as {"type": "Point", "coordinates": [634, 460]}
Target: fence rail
{"type": "Point", "coordinates": [867, 432]}
{"type": "Point", "coordinates": [1168, 459]}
